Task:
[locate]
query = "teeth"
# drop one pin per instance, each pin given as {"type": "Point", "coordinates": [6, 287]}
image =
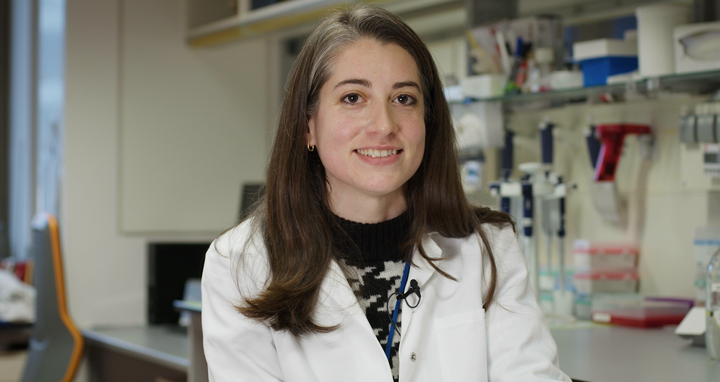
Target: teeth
{"type": "Point", "coordinates": [377, 153]}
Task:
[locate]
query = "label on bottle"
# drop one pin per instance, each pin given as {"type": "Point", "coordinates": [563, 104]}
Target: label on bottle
{"type": "Point", "coordinates": [715, 287]}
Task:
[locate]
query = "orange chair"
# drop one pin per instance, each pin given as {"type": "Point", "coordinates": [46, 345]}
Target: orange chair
{"type": "Point", "coordinates": [56, 344]}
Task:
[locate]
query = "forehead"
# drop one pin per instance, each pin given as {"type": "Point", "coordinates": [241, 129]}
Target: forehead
{"type": "Point", "coordinates": [371, 59]}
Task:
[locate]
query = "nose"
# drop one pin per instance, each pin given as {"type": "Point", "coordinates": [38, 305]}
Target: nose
{"type": "Point", "coordinates": [382, 122]}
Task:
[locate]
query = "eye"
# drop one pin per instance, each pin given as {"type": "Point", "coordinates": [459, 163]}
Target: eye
{"type": "Point", "coordinates": [406, 99]}
{"type": "Point", "coordinates": [352, 98]}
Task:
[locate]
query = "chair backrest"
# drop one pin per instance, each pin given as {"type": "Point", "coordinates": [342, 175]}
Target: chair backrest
{"type": "Point", "coordinates": [56, 344]}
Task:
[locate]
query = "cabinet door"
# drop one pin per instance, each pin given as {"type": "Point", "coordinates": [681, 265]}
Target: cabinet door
{"type": "Point", "coordinates": [193, 124]}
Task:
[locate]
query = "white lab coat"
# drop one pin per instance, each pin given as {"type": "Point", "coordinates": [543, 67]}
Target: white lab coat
{"type": "Point", "coordinates": [447, 337]}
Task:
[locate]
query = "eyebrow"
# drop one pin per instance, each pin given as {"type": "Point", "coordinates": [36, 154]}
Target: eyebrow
{"type": "Point", "coordinates": [366, 83]}
{"type": "Point", "coordinates": [356, 81]}
{"type": "Point", "coordinates": [399, 85]}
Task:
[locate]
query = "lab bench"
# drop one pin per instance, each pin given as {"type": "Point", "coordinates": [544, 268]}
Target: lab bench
{"type": "Point", "coordinates": [137, 353]}
{"type": "Point", "coordinates": [592, 353]}
{"type": "Point", "coordinates": [615, 353]}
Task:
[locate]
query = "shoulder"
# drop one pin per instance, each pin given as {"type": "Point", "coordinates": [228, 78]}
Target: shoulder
{"type": "Point", "coordinates": [500, 237]}
{"type": "Point", "coordinates": [234, 240]}
{"type": "Point", "coordinates": [239, 255]}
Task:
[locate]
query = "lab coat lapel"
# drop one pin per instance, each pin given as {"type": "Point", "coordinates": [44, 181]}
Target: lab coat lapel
{"type": "Point", "coordinates": [337, 301]}
{"type": "Point", "coordinates": [420, 272]}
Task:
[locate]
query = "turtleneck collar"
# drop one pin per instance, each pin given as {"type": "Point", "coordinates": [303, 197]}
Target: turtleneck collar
{"type": "Point", "coordinates": [376, 241]}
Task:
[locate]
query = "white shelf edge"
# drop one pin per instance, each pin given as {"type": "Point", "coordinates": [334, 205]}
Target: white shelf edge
{"type": "Point", "coordinates": [262, 14]}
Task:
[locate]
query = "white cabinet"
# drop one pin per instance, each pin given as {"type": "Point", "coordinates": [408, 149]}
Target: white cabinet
{"type": "Point", "coordinates": [193, 125]}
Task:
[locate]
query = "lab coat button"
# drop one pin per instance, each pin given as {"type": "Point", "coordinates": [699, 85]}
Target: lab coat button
{"type": "Point", "coordinates": [413, 357]}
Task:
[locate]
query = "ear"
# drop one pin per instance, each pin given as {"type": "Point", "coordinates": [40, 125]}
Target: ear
{"type": "Point", "coordinates": [310, 138]}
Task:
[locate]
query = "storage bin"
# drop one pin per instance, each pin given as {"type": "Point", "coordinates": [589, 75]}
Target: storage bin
{"type": "Point", "coordinates": [606, 282]}
{"type": "Point", "coordinates": [639, 311]}
{"type": "Point", "coordinates": [597, 70]}
{"type": "Point", "coordinates": [589, 257]}
{"type": "Point", "coordinates": [602, 58]}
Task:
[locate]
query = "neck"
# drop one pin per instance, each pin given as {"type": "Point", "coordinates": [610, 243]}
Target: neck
{"type": "Point", "coordinates": [368, 209]}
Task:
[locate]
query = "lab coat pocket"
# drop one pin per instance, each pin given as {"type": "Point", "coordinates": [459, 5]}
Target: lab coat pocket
{"type": "Point", "coordinates": [461, 346]}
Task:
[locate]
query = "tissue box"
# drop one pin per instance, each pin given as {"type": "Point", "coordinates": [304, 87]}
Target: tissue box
{"type": "Point", "coordinates": [602, 58]}
{"type": "Point", "coordinates": [697, 47]}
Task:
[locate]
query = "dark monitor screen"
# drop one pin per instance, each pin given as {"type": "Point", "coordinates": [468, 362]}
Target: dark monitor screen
{"type": "Point", "coordinates": [170, 265]}
{"type": "Point", "coordinates": [251, 193]}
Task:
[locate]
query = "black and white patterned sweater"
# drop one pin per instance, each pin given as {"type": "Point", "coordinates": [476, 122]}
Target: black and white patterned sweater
{"type": "Point", "coordinates": [372, 252]}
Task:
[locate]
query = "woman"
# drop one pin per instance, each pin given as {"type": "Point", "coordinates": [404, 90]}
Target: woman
{"type": "Point", "coordinates": [364, 207]}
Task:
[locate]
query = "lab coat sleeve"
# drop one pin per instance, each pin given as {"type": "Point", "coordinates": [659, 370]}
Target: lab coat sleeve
{"type": "Point", "coordinates": [236, 347]}
{"type": "Point", "coordinates": [520, 346]}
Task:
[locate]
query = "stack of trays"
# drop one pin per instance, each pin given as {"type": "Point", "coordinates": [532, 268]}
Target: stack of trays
{"type": "Point", "coordinates": [603, 268]}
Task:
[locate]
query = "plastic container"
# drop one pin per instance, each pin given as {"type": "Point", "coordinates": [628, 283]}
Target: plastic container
{"type": "Point", "coordinates": [565, 79]}
{"type": "Point", "coordinates": [697, 47]}
{"type": "Point", "coordinates": [638, 311]}
{"type": "Point", "coordinates": [597, 70]}
{"type": "Point", "coordinates": [655, 36]}
{"type": "Point", "coordinates": [606, 282]}
{"type": "Point", "coordinates": [583, 306]}
{"type": "Point", "coordinates": [593, 257]}
{"type": "Point", "coordinates": [483, 86]}
{"type": "Point", "coordinates": [712, 307]}
{"type": "Point", "coordinates": [600, 59]}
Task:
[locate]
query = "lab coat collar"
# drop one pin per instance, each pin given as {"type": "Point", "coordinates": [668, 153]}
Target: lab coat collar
{"type": "Point", "coordinates": [422, 270]}
{"type": "Point", "coordinates": [337, 301]}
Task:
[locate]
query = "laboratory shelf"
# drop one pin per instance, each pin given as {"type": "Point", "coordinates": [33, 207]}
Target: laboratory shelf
{"type": "Point", "coordinates": [693, 83]}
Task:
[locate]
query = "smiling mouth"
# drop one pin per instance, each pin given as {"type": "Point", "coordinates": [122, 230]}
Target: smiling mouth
{"type": "Point", "coordinates": [378, 153]}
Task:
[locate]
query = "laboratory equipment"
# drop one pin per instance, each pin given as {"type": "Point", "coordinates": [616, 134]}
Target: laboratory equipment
{"type": "Point", "coordinates": [605, 142]}
{"type": "Point", "coordinates": [705, 242]}
{"type": "Point", "coordinates": [603, 58]}
{"type": "Point", "coordinates": [506, 164]}
{"type": "Point", "coordinates": [711, 159]}
{"type": "Point", "coordinates": [712, 305]}
{"type": "Point", "coordinates": [599, 257]}
{"type": "Point", "coordinates": [655, 36]}
{"type": "Point", "coordinates": [529, 243]}
{"type": "Point", "coordinates": [539, 191]}
{"type": "Point", "coordinates": [705, 127]}
{"type": "Point", "coordinates": [562, 297]}
{"type": "Point", "coordinates": [697, 47]}
{"type": "Point", "coordinates": [612, 137]}
{"type": "Point", "coordinates": [688, 126]}
{"type": "Point", "coordinates": [637, 310]}
{"type": "Point", "coordinates": [606, 282]}
{"type": "Point", "coordinates": [605, 267]}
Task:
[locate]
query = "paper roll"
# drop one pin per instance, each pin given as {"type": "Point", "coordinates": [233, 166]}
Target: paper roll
{"type": "Point", "coordinates": [655, 37]}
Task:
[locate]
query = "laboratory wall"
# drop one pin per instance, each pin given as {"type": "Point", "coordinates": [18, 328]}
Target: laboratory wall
{"type": "Point", "coordinates": [142, 109]}
{"type": "Point", "coordinates": [151, 125]}
{"type": "Point", "coordinates": [192, 123]}
{"type": "Point", "coordinates": [664, 192]}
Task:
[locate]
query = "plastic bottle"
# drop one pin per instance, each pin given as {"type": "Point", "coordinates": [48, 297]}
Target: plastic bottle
{"type": "Point", "coordinates": [712, 305]}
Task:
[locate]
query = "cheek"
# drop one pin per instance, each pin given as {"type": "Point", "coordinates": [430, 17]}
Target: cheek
{"type": "Point", "coordinates": [336, 132]}
{"type": "Point", "coordinates": [416, 133]}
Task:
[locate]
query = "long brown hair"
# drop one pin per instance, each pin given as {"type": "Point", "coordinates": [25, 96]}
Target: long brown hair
{"type": "Point", "coordinates": [294, 217]}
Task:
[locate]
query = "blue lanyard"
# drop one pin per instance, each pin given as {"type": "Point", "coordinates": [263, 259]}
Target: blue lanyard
{"type": "Point", "coordinates": [393, 325]}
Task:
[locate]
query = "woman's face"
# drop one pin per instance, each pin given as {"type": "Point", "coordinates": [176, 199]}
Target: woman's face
{"type": "Point", "coordinates": [369, 128]}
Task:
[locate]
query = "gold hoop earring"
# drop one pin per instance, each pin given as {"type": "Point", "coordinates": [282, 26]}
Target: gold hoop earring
{"type": "Point", "coordinates": [310, 148]}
